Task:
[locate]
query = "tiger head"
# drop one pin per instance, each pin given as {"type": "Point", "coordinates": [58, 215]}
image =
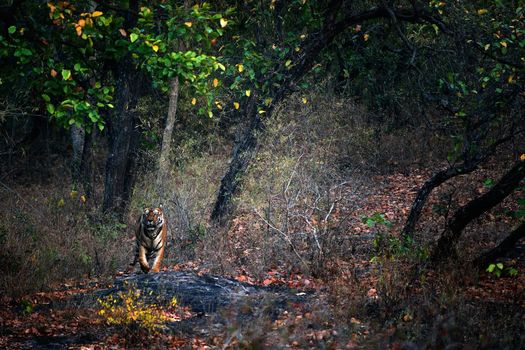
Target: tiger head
{"type": "Point", "coordinates": [152, 220]}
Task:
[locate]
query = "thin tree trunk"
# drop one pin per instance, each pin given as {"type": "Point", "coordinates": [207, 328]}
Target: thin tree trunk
{"type": "Point", "coordinates": [164, 163]}
{"type": "Point", "coordinates": [86, 166]}
{"type": "Point", "coordinates": [78, 135]}
{"type": "Point", "coordinates": [501, 249]}
{"type": "Point", "coordinates": [475, 208]}
{"type": "Point", "coordinates": [444, 175]}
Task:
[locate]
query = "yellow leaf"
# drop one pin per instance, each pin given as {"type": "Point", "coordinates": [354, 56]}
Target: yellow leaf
{"type": "Point", "coordinates": [366, 37]}
{"type": "Point", "coordinates": [61, 202]}
{"type": "Point", "coordinates": [215, 82]}
{"type": "Point", "coordinates": [218, 104]}
{"type": "Point", "coordinates": [188, 24]}
{"type": "Point", "coordinates": [503, 43]}
{"type": "Point", "coordinates": [510, 79]}
{"type": "Point", "coordinates": [155, 48]}
{"type": "Point", "coordinates": [97, 14]}
{"type": "Point", "coordinates": [248, 93]}
{"type": "Point", "coordinates": [194, 101]}
{"type": "Point", "coordinates": [73, 194]}
{"type": "Point", "coordinates": [522, 157]}
{"type": "Point", "coordinates": [482, 11]}
{"type": "Point", "coordinates": [79, 30]}
{"type": "Point", "coordinates": [83, 199]}
{"type": "Point", "coordinates": [240, 67]}
{"type": "Point", "coordinates": [236, 105]}
{"type": "Point", "coordinates": [82, 22]}
{"type": "Point", "coordinates": [305, 101]}
{"type": "Point", "coordinates": [262, 111]}
{"type": "Point", "coordinates": [224, 22]}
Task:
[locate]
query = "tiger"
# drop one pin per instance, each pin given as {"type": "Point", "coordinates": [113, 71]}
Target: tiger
{"type": "Point", "coordinates": [151, 235]}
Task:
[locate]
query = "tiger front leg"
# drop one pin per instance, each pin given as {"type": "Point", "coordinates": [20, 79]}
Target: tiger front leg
{"type": "Point", "coordinates": [158, 260]}
{"type": "Point", "coordinates": [142, 260]}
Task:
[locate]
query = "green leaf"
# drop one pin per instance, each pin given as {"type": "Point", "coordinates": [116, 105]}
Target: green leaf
{"type": "Point", "coordinates": [50, 108]}
{"type": "Point", "coordinates": [46, 97]}
{"type": "Point", "coordinates": [66, 74]}
{"type": "Point", "coordinates": [500, 266]}
{"type": "Point", "coordinates": [11, 29]}
{"type": "Point", "coordinates": [133, 37]}
{"type": "Point", "coordinates": [77, 67]}
{"type": "Point", "coordinates": [491, 268]}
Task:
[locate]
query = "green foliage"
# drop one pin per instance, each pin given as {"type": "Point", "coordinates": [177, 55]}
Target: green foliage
{"type": "Point", "coordinates": [26, 306]}
{"type": "Point", "coordinates": [376, 219]}
{"type": "Point", "coordinates": [498, 269]}
{"type": "Point", "coordinates": [77, 86]}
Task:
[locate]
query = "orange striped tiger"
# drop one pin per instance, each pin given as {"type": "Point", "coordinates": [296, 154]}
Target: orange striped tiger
{"type": "Point", "coordinates": [151, 237]}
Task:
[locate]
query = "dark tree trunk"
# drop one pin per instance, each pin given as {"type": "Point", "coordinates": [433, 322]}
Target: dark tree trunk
{"type": "Point", "coordinates": [246, 148]}
{"type": "Point", "coordinates": [86, 165]}
{"type": "Point", "coordinates": [476, 208]}
{"type": "Point", "coordinates": [78, 135]}
{"type": "Point", "coordinates": [441, 177]}
{"type": "Point", "coordinates": [501, 249]}
{"type": "Point", "coordinates": [122, 131]}
{"type": "Point", "coordinates": [242, 153]}
{"type": "Point", "coordinates": [123, 141]}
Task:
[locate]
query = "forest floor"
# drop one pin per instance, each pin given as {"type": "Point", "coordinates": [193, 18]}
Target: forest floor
{"type": "Point", "coordinates": [53, 319]}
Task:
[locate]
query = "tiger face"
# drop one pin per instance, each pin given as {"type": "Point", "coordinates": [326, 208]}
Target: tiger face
{"type": "Point", "coordinates": [152, 221]}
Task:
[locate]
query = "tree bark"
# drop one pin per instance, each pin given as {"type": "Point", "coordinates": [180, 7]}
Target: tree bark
{"type": "Point", "coordinates": [86, 165]}
{"type": "Point", "coordinates": [475, 208]}
{"type": "Point", "coordinates": [164, 164]}
{"type": "Point", "coordinates": [123, 142]}
{"type": "Point", "coordinates": [246, 148]}
{"type": "Point", "coordinates": [242, 154]}
{"type": "Point", "coordinates": [77, 142]}
{"type": "Point", "coordinates": [501, 249]}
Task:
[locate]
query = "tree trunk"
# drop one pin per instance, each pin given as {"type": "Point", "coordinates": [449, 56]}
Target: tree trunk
{"type": "Point", "coordinates": [86, 166]}
{"type": "Point", "coordinates": [78, 135]}
{"type": "Point", "coordinates": [123, 141]}
{"type": "Point", "coordinates": [501, 249]}
{"type": "Point", "coordinates": [475, 208]}
{"type": "Point", "coordinates": [242, 153]}
{"type": "Point", "coordinates": [444, 175]}
{"type": "Point", "coordinates": [164, 163]}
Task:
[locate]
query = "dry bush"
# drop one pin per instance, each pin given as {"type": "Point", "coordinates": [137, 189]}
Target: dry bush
{"type": "Point", "coordinates": [48, 235]}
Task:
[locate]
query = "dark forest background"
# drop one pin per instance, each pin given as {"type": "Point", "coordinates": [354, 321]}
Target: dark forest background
{"type": "Point", "coordinates": [374, 147]}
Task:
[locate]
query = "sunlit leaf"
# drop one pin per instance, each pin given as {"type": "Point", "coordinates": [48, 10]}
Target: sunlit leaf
{"type": "Point", "coordinates": [188, 24]}
{"type": "Point", "coordinates": [194, 101]}
{"type": "Point", "coordinates": [223, 22]}
{"type": "Point", "coordinates": [236, 105]}
{"type": "Point", "coordinates": [66, 74]}
{"type": "Point", "coordinates": [133, 37]}
{"type": "Point", "coordinates": [97, 14]}
{"type": "Point", "coordinates": [240, 67]}
{"type": "Point", "coordinates": [215, 82]}
{"type": "Point", "coordinates": [155, 48]}
{"type": "Point", "coordinates": [482, 11]}
{"type": "Point", "coordinates": [248, 93]}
